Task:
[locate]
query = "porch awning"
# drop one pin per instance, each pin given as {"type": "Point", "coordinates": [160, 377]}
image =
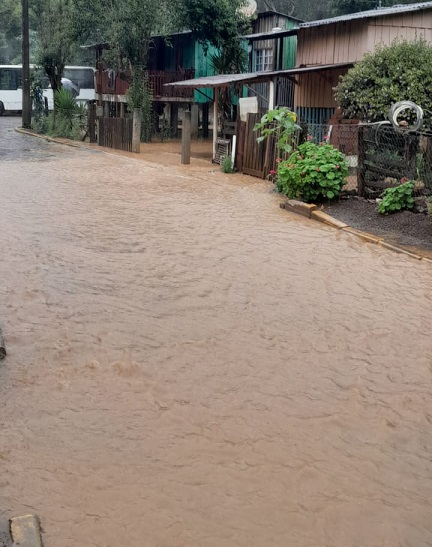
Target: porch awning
{"type": "Point", "coordinates": [225, 80]}
{"type": "Point", "coordinates": [306, 69]}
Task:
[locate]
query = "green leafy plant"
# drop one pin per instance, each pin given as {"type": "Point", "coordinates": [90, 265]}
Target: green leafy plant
{"type": "Point", "coordinates": [65, 103]}
{"type": "Point", "coordinates": [313, 172]}
{"type": "Point", "coordinates": [139, 95]}
{"type": "Point", "coordinates": [397, 199]}
{"type": "Point", "coordinates": [65, 120]}
{"type": "Point", "coordinates": [227, 165]}
{"type": "Point", "coordinates": [401, 71]}
{"type": "Point", "coordinates": [69, 119]}
{"type": "Point", "coordinates": [280, 122]}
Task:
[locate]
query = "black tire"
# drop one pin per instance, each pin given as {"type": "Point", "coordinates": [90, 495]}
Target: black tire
{"type": "Point", "coordinates": [2, 109]}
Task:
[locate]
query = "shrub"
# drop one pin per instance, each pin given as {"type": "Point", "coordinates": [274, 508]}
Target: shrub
{"type": "Point", "coordinates": [139, 96]}
{"type": "Point", "coordinates": [65, 103]}
{"type": "Point", "coordinates": [69, 119]}
{"type": "Point", "coordinates": [227, 165]}
{"type": "Point", "coordinates": [313, 172]}
{"type": "Point", "coordinates": [397, 199]}
{"type": "Point", "coordinates": [401, 71]}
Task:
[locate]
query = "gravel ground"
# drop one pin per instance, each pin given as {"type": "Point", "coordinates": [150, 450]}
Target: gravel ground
{"type": "Point", "coordinates": [403, 228]}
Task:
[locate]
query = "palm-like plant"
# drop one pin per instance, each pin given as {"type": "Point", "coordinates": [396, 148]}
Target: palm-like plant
{"type": "Point", "coordinates": [65, 104]}
{"type": "Point", "coordinates": [69, 118]}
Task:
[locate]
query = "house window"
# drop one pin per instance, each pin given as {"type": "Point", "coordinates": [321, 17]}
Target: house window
{"type": "Point", "coordinates": [263, 60]}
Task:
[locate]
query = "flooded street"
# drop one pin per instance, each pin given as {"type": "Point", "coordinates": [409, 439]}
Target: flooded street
{"type": "Point", "coordinates": [191, 366]}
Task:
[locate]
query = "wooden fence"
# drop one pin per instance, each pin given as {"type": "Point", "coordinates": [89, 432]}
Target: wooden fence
{"type": "Point", "coordinates": [253, 158]}
{"type": "Point", "coordinates": [115, 133]}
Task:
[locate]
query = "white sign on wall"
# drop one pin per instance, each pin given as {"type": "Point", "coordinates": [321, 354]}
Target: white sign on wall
{"type": "Point", "coordinates": [248, 105]}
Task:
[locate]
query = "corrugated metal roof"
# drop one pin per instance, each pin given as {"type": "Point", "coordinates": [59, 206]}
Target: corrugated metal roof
{"type": "Point", "coordinates": [169, 34]}
{"type": "Point", "coordinates": [271, 35]}
{"type": "Point", "coordinates": [224, 80]}
{"type": "Point", "coordinates": [304, 69]}
{"type": "Point", "coordinates": [379, 12]}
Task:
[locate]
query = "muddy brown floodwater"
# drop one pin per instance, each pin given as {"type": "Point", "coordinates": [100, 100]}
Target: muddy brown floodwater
{"type": "Point", "coordinates": [190, 366]}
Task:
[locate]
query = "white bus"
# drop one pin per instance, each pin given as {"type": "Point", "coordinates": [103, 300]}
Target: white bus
{"type": "Point", "coordinates": [11, 86]}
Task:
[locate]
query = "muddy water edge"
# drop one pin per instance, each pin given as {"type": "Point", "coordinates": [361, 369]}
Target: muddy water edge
{"type": "Point", "coordinates": [190, 366]}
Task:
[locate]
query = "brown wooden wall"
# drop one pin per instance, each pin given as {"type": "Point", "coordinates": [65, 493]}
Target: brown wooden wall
{"type": "Point", "coordinates": [410, 26]}
{"type": "Point", "coordinates": [348, 41]}
{"type": "Point", "coordinates": [315, 90]}
{"type": "Point", "coordinates": [330, 44]}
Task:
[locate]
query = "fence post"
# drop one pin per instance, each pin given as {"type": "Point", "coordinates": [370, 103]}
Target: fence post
{"type": "Point", "coordinates": [136, 131]}
{"type": "Point", "coordinates": [194, 121]}
{"type": "Point", "coordinates": [272, 97]}
{"type": "Point", "coordinates": [360, 161]}
{"type": "Point", "coordinates": [92, 121]}
{"type": "Point", "coordinates": [174, 119]}
{"type": "Point", "coordinates": [186, 138]}
{"type": "Point", "coordinates": [205, 122]}
{"type": "Point", "coordinates": [241, 135]}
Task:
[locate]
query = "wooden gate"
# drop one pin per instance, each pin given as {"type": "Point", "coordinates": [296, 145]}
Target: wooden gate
{"type": "Point", "coordinates": [253, 158]}
{"type": "Point", "coordinates": [253, 152]}
{"type": "Point", "coordinates": [115, 133]}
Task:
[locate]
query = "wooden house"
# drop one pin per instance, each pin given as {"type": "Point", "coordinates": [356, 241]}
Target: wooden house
{"type": "Point", "coordinates": [326, 49]}
{"type": "Point", "coordinates": [269, 50]}
{"type": "Point", "coordinates": [174, 58]}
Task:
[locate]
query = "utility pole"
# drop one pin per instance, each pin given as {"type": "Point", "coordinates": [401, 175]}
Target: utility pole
{"type": "Point", "coordinates": [26, 101]}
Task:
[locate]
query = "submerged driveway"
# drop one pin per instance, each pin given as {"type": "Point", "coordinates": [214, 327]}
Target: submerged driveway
{"type": "Point", "coordinates": [190, 366]}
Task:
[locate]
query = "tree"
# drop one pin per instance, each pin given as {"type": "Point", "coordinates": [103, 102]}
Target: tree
{"type": "Point", "coordinates": [55, 41]}
{"type": "Point", "coordinates": [10, 31]}
{"type": "Point", "coordinates": [402, 71]}
{"type": "Point", "coordinates": [311, 10]}
{"type": "Point", "coordinates": [128, 25]}
{"type": "Point", "coordinates": [342, 7]}
{"type": "Point", "coordinates": [218, 22]}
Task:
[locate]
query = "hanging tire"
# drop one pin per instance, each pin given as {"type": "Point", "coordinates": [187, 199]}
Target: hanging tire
{"type": "Point", "coordinates": [2, 109]}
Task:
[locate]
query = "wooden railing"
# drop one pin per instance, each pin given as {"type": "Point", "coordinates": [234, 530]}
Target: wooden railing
{"type": "Point", "coordinates": [158, 78]}
{"type": "Point", "coordinates": [118, 83]}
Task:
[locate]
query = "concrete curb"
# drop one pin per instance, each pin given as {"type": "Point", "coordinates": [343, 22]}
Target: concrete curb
{"type": "Point", "coordinates": [299, 207]}
{"type": "Point", "coordinates": [66, 142]}
{"type": "Point", "coordinates": [366, 236]}
{"type": "Point", "coordinates": [400, 250]}
{"type": "Point", "coordinates": [25, 531]}
{"type": "Point", "coordinates": [327, 219]}
{"type": "Point", "coordinates": [320, 216]}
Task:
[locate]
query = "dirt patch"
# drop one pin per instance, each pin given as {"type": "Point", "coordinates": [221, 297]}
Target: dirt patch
{"type": "Point", "coordinates": [169, 152]}
{"type": "Point", "coordinates": [405, 228]}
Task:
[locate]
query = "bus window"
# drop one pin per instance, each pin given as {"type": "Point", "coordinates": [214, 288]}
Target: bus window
{"type": "Point", "coordinates": [82, 77]}
{"type": "Point", "coordinates": [9, 79]}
